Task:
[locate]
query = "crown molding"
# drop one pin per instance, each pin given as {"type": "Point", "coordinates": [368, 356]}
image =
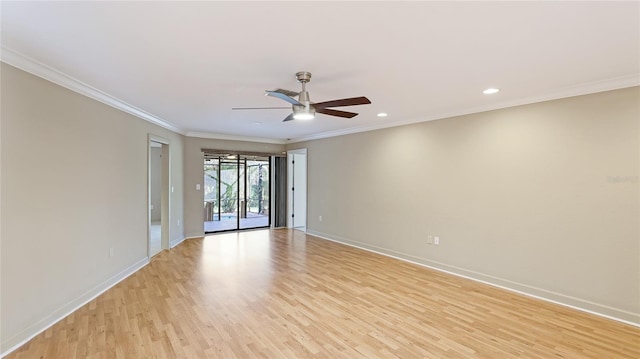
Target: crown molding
{"type": "Point", "coordinates": [556, 94]}
{"type": "Point", "coordinates": [39, 69]}
{"type": "Point", "coordinates": [221, 136]}
{"type": "Point", "coordinates": [25, 63]}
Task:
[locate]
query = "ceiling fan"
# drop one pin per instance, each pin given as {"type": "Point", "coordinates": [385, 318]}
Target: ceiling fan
{"type": "Point", "coordinates": [303, 108]}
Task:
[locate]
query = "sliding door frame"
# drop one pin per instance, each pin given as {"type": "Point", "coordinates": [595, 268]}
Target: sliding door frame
{"type": "Point", "coordinates": [240, 160]}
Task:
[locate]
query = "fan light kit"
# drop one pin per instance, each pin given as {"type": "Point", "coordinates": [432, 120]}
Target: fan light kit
{"type": "Point", "coordinates": [303, 108]}
{"type": "Point", "coordinates": [303, 115]}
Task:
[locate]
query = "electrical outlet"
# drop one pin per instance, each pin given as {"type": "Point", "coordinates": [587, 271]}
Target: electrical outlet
{"type": "Point", "coordinates": [436, 240]}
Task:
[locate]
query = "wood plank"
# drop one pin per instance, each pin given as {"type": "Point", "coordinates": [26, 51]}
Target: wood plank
{"type": "Point", "coordinates": [284, 294]}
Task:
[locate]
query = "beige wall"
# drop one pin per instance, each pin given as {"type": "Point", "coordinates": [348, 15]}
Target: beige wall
{"type": "Point", "coordinates": [194, 174]}
{"type": "Point", "coordinates": [541, 198]}
{"type": "Point", "coordinates": [74, 185]}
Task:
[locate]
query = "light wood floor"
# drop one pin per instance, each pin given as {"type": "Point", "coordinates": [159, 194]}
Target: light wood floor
{"type": "Point", "coordinates": [281, 294]}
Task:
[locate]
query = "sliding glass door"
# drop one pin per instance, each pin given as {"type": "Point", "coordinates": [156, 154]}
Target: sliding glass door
{"type": "Point", "coordinates": [236, 192]}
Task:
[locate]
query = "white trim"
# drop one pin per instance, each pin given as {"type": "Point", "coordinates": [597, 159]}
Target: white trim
{"type": "Point", "coordinates": [45, 323]}
{"type": "Point", "coordinates": [158, 139]}
{"type": "Point", "coordinates": [175, 243]}
{"type": "Point", "coordinates": [221, 136]}
{"type": "Point", "coordinates": [571, 91]}
{"type": "Point", "coordinates": [166, 216]}
{"type": "Point", "coordinates": [582, 305]}
{"type": "Point", "coordinates": [194, 235]}
{"type": "Point", "coordinates": [39, 69]}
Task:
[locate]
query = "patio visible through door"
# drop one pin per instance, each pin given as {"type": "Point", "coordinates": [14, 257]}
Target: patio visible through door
{"type": "Point", "coordinates": [236, 192]}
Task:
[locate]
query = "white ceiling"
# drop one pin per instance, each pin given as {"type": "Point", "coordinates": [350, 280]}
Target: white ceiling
{"type": "Point", "coordinates": [186, 64]}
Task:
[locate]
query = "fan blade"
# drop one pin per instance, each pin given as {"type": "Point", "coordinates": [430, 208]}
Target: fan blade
{"type": "Point", "coordinates": [331, 112]}
{"type": "Point", "coordinates": [288, 118]}
{"type": "Point", "coordinates": [261, 108]}
{"type": "Point", "coordinates": [343, 102]}
{"type": "Point", "coordinates": [287, 92]}
{"type": "Point", "coordinates": [282, 96]}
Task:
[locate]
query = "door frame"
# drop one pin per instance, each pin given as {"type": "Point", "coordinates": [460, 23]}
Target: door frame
{"type": "Point", "coordinates": [165, 192]}
{"type": "Point", "coordinates": [291, 183]}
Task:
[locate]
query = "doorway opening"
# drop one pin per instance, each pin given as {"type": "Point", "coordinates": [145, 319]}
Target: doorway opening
{"type": "Point", "coordinates": [158, 184]}
{"type": "Point", "coordinates": [237, 192]}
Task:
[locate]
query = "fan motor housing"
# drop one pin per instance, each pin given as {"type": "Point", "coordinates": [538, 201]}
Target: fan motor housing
{"type": "Point", "coordinates": [303, 76]}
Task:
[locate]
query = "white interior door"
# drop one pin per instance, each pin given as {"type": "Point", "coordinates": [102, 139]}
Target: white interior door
{"type": "Point", "coordinates": [297, 189]}
{"type": "Point", "coordinates": [300, 191]}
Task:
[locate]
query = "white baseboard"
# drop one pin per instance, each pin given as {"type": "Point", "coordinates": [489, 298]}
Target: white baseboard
{"type": "Point", "coordinates": [175, 243]}
{"type": "Point", "coordinates": [31, 331]}
{"type": "Point", "coordinates": [194, 235]}
{"type": "Point", "coordinates": [527, 290]}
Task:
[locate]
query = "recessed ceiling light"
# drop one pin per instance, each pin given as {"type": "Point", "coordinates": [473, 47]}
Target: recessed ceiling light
{"type": "Point", "coordinates": [382, 114]}
{"type": "Point", "coordinates": [258, 123]}
{"type": "Point", "coordinates": [490, 91]}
